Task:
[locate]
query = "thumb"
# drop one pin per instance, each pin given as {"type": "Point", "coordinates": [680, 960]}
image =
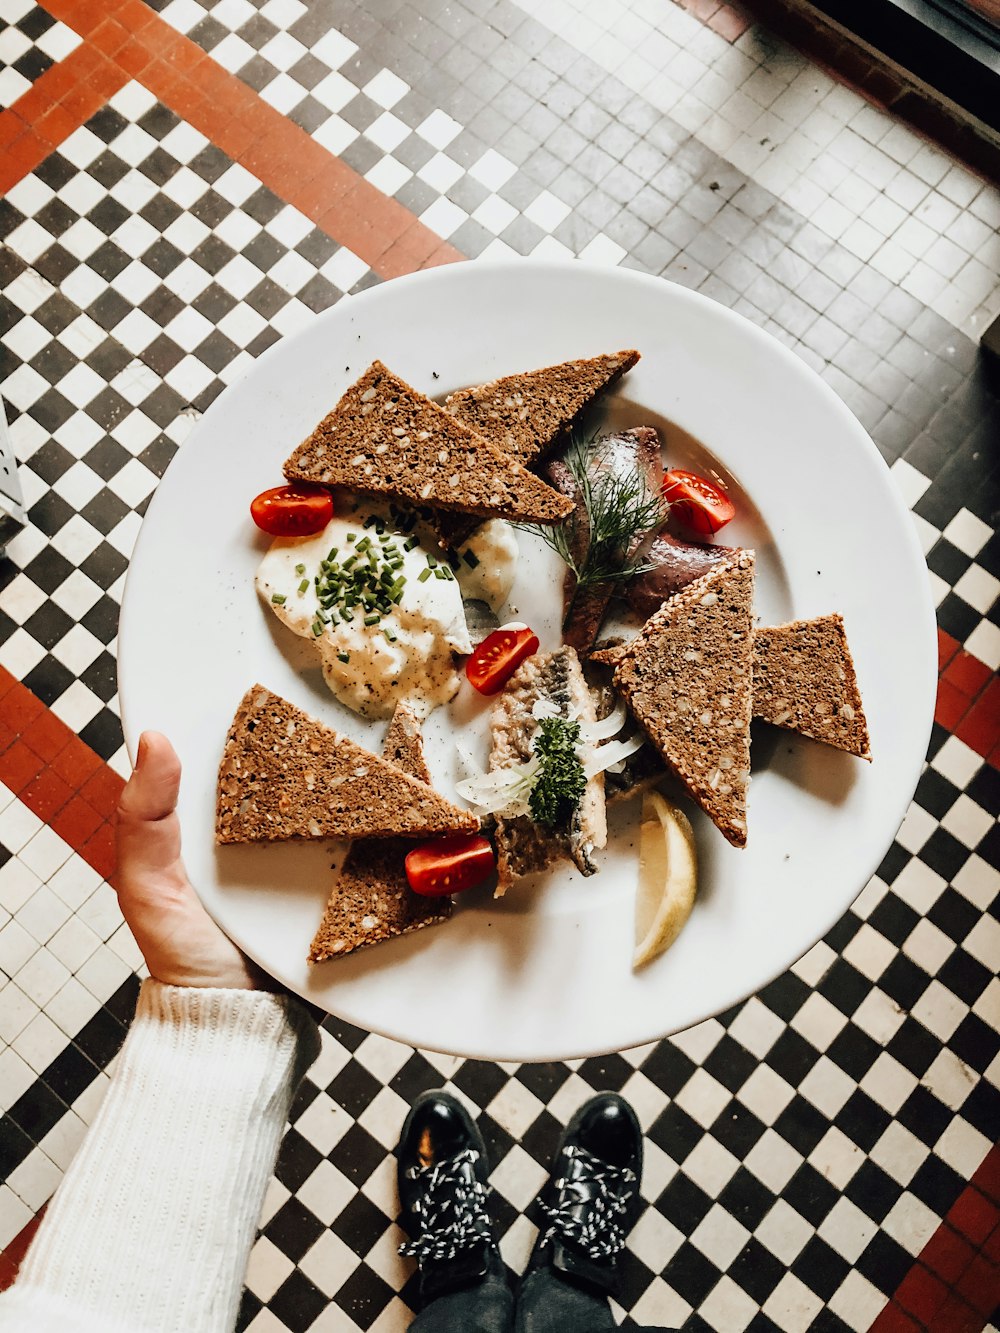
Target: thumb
{"type": "Point", "coordinates": [149, 835]}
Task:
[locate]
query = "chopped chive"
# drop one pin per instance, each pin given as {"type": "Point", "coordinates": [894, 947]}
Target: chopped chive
{"type": "Point", "coordinates": [317, 628]}
{"type": "Point", "coordinates": [347, 615]}
{"type": "Point", "coordinates": [369, 521]}
{"type": "Point", "coordinates": [431, 562]}
{"type": "Point", "coordinates": [389, 635]}
{"type": "Point", "coordinates": [373, 618]}
{"type": "Point", "coordinates": [471, 559]}
{"type": "Point", "coordinates": [278, 598]}
{"type": "Point", "coordinates": [410, 542]}
{"type": "Point", "coordinates": [343, 657]}
{"type": "Point", "coordinates": [351, 536]}
{"type": "Point", "coordinates": [303, 586]}
{"type": "Point", "coordinates": [440, 574]}
{"type": "Point", "coordinates": [422, 577]}
{"type": "Point", "coordinates": [300, 569]}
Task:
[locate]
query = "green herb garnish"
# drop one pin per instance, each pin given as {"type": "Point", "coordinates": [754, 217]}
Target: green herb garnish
{"type": "Point", "coordinates": [561, 780]}
{"type": "Point", "coordinates": [615, 508]}
{"type": "Point", "coordinates": [278, 598]}
{"type": "Point", "coordinates": [300, 569]}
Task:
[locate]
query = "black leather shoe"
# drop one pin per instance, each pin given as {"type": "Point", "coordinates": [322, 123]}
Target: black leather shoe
{"type": "Point", "coordinates": [442, 1172]}
{"type": "Point", "coordinates": [592, 1198]}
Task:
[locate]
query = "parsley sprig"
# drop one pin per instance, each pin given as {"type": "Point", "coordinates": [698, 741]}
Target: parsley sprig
{"type": "Point", "coordinates": [560, 780]}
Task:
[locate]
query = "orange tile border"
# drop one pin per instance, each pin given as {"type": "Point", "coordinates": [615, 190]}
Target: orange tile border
{"type": "Point", "coordinates": [135, 42]}
{"type": "Point", "coordinates": [57, 103]}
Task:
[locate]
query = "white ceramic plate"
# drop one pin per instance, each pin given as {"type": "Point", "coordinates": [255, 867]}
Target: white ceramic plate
{"type": "Point", "coordinates": [546, 973]}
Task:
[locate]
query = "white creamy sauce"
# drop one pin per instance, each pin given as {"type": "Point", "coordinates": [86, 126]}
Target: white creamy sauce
{"type": "Point", "coordinates": [494, 546]}
{"type": "Point", "coordinates": [409, 654]}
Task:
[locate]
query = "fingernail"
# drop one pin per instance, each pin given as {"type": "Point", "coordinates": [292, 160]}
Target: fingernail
{"type": "Point", "coordinates": [140, 753]}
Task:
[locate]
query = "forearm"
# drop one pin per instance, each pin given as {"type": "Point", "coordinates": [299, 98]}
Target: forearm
{"type": "Point", "coordinates": [152, 1225]}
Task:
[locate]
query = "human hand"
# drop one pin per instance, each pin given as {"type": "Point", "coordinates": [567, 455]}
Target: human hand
{"type": "Point", "coordinates": [180, 942]}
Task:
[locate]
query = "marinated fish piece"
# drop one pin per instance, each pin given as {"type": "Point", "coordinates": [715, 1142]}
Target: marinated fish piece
{"type": "Point", "coordinates": [673, 565]}
{"type": "Point", "coordinates": [522, 845]}
{"type": "Point", "coordinates": [617, 457]}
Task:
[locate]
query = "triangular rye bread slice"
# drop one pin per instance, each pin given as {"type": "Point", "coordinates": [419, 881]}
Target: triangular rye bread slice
{"type": "Point", "coordinates": [285, 775]}
{"type": "Point", "coordinates": [385, 438]}
{"type": "Point", "coordinates": [525, 415]}
{"type": "Point", "coordinates": [688, 678]}
{"type": "Point", "coordinates": [528, 415]}
{"type": "Point", "coordinates": [372, 899]}
{"type": "Point", "coordinates": [804, 679]}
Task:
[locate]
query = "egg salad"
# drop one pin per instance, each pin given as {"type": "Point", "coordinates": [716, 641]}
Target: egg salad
{"type": "Point", "coordinates": [384, 612]}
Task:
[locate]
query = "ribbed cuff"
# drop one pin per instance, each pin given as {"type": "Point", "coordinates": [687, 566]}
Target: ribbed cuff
{"type": "Point", "coordinates": [153, 1223]}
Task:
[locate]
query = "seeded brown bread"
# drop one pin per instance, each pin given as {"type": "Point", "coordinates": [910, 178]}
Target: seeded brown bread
{"type": "Point", "coordinates": [285, 775]}
{"type": "Point", "coordinates": [528, 415]}
{"type": "Point", "coordinates": [385, 438]}
{"type": "Point", "coordinates": [525, 415]}
{"type": "Point", "coordinates": [804, 679]}
{"type": "Point", "coordinates": [372, 899]}
{"type": "Point", "coordinates": [687, 678]}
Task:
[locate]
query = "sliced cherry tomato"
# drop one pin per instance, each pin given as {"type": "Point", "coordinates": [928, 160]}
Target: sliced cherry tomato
{"type": "Point", "coordinates": [449, 865]}
{"type": "Point", "coordinates": [498, 656]}
{"type": "Point", "coordinates": [292, 511]}
{"type": "Point", "coordinates": [699, 504]}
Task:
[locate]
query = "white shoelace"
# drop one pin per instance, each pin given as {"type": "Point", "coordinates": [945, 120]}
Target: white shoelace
{"type": "Point", "coordinates": [451, 1214]}
{"type": "Point", "coordinates": [604, 1188]}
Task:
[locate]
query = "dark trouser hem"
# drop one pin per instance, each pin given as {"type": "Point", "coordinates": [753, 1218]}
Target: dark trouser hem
{"type": "Point", "coordinates": [487, 1307]}
{"type": "Point", "coordinates": [545, 1304]}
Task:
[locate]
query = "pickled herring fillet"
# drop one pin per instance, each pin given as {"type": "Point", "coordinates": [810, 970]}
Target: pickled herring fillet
{"type": "Point", "coordinates": [522, 845]}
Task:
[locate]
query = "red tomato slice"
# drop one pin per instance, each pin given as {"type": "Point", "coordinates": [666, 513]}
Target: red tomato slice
{"type": "Point", "coordinates": [498, 656]}
{"type": "Point", "coordinates": [700, 505]}
{"type": "Point", "coordinates": [292, 511]}
{"type": "Point", "coordinates": [449, 865]}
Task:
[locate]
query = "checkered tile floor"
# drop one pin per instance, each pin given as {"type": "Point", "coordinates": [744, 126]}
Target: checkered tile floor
{"type": "Point", "coordinates": [802, 1148]}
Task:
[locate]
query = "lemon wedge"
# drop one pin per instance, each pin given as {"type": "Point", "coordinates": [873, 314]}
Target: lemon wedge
{"type": "Point", "coordinates": [668, 877]}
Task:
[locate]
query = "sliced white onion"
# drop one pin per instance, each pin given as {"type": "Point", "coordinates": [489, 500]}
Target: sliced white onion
{"type": "Point", "coordinates": [605, 726]}
{"type": "Point", "coordinates": [606, 755]}
{"type": "Point", "coordinates": [503, 789]}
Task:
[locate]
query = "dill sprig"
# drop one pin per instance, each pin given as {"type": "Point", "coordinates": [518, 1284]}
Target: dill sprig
{"type": "Point", "coordinates": [615, 508]}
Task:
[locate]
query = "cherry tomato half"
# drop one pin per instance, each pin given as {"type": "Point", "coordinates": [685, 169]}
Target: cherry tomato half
{"type": "Point", "coordinates": [498, 656]}
{"type": "Point", "coordinates": [699, 504]}
{"type": "Point", "coordinates": [449, 865]}
{"type": "Point", "coordinates": [292, 511]}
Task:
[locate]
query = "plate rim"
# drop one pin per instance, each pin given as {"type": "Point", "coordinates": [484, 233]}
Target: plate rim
{"type": "Point", "coordinates": [452, 273]}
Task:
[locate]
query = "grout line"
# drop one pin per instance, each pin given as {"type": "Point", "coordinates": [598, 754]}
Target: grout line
{"type": "Point", "coordinates": [54, 107]}
{"type": "Point", "coordinates": [953, 1287]}
{"type": "Point", "coordinates": [130, 37]}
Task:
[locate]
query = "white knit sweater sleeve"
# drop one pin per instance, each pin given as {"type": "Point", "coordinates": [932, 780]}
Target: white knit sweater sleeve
{"type": "Point", "coordinates": [151, 1228]}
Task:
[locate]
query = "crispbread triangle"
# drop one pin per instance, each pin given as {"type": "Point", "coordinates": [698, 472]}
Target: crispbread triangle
{"type": "Point", "coordinates": [525, 415]}
{"type": "Point", "coordinates": [804, 679]}
{"type": "Point", "coordinates": [688, 680]}
{"type": "Point", "coordinates": [371, 899]}
{"type": "Point", "coordinates": [385, 438]}
{"type": "Point", "coordinates": [285, 775]}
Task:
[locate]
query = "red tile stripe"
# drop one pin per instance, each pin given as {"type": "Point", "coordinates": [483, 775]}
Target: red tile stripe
{"type": "Point", "coordinates": [57, 776]}
{"type": "Point", "coordinates": [141, 45]}
{"type": "Point", "coordinates": [56, 104]}
{"type": "Point", "coordinates": [968, 699]}
{"type": "Point", "coordinates": [729, 20]}
{"type": "Point", "coordinates": [12, 1257]}
{"type": "Point", "coordinates": [954, 1287]}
